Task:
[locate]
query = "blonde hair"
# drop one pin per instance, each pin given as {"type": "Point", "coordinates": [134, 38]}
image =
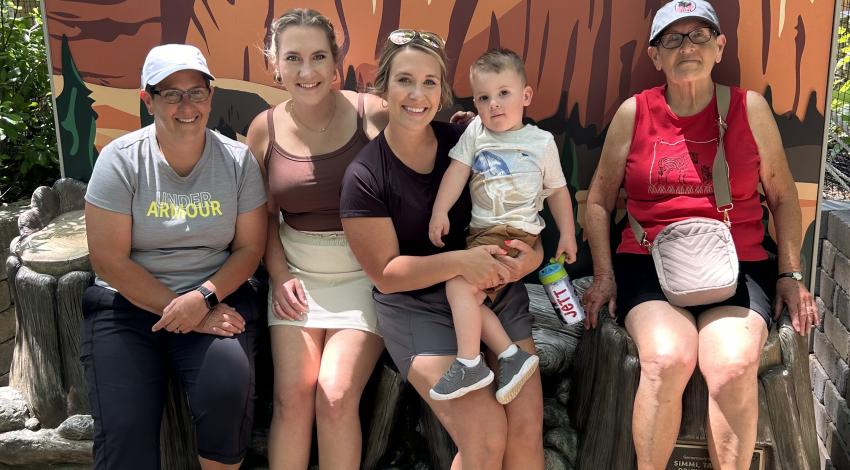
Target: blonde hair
{"type": "Point", "coordinates": [388, 54]}
{"type": "Point", "coordinates": [301, 17]}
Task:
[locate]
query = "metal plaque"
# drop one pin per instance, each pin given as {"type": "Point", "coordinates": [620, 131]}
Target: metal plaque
{"type": "Point", "coordinates": [694, 456]}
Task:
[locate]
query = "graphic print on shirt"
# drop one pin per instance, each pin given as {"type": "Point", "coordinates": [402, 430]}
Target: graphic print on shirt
{"type": "Point", "coordinates": [682, 167]}
{"type": "Point", "coordinates": [490, 163]}
{"type": "Point", "coordinates": [504, 180]}
{"type": "Point", "coordinates": [182, 206]}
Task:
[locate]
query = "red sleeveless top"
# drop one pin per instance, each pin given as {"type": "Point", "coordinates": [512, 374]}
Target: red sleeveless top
{"type": "Point", "coordinates": [307, 188]}
{"type": "Point", "coordinates": [668, 174]}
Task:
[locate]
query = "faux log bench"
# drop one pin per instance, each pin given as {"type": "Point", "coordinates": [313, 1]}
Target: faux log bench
{"type": "Point", "coordinates": [399, 430]}
{"type": "Point", "coordinates": [50, 270]}
{"type": "Point", "coordinates": [607, 371]}
{"type": "Point", "coordinates": [47, 272]}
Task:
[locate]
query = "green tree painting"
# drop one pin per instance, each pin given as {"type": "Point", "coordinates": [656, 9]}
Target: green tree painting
{"type": "Point", "coordinates": [76, 120]}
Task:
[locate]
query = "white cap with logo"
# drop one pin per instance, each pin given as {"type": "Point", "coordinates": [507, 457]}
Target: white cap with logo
{"type": "Point", "coordinates": [164, 60]}
{"type": "Point", "coordinates": [679, 10]}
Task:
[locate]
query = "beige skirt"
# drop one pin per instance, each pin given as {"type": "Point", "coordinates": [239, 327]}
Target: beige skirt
{"type": "Point", "coordinates": [339, 294]}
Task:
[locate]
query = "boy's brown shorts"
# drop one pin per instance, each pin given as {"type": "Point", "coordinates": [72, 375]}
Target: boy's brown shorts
{"type": "Point", "coordinates": [497, 235]}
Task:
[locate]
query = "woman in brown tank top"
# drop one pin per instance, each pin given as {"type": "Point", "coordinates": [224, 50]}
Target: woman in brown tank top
{"type": "Point", "coordinates": [321, 315]}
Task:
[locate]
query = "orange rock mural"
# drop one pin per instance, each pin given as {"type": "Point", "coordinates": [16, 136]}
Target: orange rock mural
{"type": "Point", "coordinates": [592, 51]}
{"type": "Point", "coordinates": [583, 58]}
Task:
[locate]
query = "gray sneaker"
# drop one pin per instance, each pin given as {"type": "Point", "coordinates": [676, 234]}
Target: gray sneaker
{"type": "Point", "coordinates": [514, 372]}
{"type": "Point", "coordinates": [460, 380]}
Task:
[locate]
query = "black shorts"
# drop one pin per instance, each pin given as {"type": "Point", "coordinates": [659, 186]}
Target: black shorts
{"type": "Point", "coordinates": [637, 282]}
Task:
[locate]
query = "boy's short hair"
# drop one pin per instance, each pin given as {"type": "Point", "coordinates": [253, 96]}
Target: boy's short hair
{"type": "Point", "coordinates": [496, 60]}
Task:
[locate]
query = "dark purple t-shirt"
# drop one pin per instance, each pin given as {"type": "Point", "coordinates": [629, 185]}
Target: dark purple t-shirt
{"type": "Point", "coordinates": [378, 184]}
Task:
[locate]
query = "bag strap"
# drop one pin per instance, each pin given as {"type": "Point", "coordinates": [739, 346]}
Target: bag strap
{"type": "Point", "coordinates": [720, 169]}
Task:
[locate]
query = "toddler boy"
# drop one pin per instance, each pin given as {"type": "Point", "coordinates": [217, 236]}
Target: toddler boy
{"type": "Point", "coordinates": [513, 168]}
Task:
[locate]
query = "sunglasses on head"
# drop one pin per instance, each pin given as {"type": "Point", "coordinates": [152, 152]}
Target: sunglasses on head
{"type": "Point", "coordinates": [401, 37]}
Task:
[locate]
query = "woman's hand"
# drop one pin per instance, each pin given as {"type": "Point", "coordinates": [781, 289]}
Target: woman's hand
{"type": "Point", "coordinates": [289, 302]}
{"type": "Point", "coordinates": [223, 320]}
{"type": "Point", "coordinates": [800, 302]}
{"type": "Point", "coordinates": [602, 291]}
{"type": "Point", "coordinates": [183, 314]}
{"type": "Point", "coordinates": [527, 260]}
{"type": "Point", "coordinates": [481, 269]}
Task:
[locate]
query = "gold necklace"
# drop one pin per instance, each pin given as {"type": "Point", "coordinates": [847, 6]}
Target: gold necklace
{"type": "Point", "coordinates": [324, 129]}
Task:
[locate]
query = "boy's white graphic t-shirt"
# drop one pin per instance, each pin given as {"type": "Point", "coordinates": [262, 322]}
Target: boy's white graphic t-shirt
{"type": "Point", "coordinates": [512, 173]}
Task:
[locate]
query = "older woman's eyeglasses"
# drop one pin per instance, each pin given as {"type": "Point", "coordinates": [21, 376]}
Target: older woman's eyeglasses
{"type": "Point", "coordinates": [173, 96]}
{"type": "Point", "coordinates": [700, 35]}
{"type": "Point", "coordinates": [401, 37]}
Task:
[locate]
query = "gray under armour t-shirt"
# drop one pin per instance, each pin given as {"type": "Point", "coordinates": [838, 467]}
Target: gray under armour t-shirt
{"type": "Point", "coordinates": [182, 225]}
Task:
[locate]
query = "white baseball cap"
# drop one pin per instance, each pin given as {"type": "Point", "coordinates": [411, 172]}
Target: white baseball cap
{"type": "Point", "coordinates": [164, 60]}
{"type": "Point", "coordinates": [679, 10]}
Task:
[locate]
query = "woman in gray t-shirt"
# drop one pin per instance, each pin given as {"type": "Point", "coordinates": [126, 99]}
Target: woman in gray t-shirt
{"type": "Point", "coordinates": [175, 221]}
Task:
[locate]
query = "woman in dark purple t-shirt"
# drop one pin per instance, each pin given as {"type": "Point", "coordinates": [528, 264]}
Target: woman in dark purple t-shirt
{"type": "Point", "coordinates": [387, 195]}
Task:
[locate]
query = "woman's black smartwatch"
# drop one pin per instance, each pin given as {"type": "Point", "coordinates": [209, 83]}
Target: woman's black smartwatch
{"type": "Point", "coordinates": [795, 275]}
{"type": "Point", "coordinates": [209, 297]}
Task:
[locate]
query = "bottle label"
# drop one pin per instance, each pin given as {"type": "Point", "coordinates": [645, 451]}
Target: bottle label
{"type": "Point", "coordinates": [564, 301]}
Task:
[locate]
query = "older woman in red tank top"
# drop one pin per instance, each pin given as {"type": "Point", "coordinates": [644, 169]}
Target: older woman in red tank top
{"type": "Point", "coordinates": [660, 147]}
{"type": "Point", "coordinates": [321, 314]}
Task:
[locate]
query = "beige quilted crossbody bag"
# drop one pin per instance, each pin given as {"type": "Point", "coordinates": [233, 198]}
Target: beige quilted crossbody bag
{"type": "Point", "coordinates": [695, 258]}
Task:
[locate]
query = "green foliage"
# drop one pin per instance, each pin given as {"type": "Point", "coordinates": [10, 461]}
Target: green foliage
{"type": "Point", "coordinates": [841, 84]}
{"type": "Point", "coordinates": [28, 152]}
{"type": "Point", "coordinates": [838, 140]}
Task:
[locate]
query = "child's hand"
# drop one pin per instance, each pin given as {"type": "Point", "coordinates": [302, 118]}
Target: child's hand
{"type": "Point", "coordinates": [567, 246]}
{"type": "Point", "coordinates": [438, 227]}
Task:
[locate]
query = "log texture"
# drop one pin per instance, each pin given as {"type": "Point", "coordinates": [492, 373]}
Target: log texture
{"type": "Point", "coordinates": [37, 364]}
{"type": "Point", "coordinates": [47, 203]}
{"type": "Point", "coordinates": [178, 440]}
{"type": "Point", "coordinates": [441, 448]}
{"type": "Point", "coordinates": [57, 248]}
{"type": "Point", "coordinates": [385, 405]}
{"type": "Point", "coordinates": [795, 357]}
{"type": "Point", "coordinates": [69, 317]}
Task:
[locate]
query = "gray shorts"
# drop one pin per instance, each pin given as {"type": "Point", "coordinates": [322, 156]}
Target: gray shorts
{"type": "Point", "coordinates": [420, 322]}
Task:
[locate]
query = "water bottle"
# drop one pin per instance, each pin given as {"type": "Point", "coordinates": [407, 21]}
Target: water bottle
{"type": "Point", "coordinates": [557, 284]}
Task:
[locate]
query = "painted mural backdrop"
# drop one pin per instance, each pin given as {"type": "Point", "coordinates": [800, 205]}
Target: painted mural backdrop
{"type": "Point", "coordinates": [583, 58]}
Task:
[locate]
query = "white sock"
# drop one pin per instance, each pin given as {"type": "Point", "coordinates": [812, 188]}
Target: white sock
{"type": "Point", "coordinates": [470, 362]}
{"type": "Point", "coordinates": [510, 351]}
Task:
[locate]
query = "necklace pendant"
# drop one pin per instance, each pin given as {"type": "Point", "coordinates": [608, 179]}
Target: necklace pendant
{"type": "Point", "coordinates": [291, 106]}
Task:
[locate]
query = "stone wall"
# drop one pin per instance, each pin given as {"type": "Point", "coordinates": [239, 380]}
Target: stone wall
{"type": "Point", "coordinates": [831, 342]}
{"type": "Point", "coordinates": [8, 230]}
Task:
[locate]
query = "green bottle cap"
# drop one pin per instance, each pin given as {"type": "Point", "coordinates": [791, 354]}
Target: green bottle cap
{"type": "Point", "coordinates": [552, 271]}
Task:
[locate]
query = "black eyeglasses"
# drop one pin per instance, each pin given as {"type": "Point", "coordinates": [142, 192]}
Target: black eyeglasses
{"type": "Point", "coordinates": [401, 37]}
{"type": "Point", "coordinates": [174, 96]}
{"type": "Point", "coordinates": [700, 35]}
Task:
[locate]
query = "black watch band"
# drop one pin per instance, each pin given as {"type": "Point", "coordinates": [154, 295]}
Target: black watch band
{"type": "Point", "coordinates": [795, 275]}
{"type": "Point", "coordinates": [209, 297]}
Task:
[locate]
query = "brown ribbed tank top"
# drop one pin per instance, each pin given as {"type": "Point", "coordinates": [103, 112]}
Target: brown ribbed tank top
{"type": "Point", "coordinates": [307, 188]}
